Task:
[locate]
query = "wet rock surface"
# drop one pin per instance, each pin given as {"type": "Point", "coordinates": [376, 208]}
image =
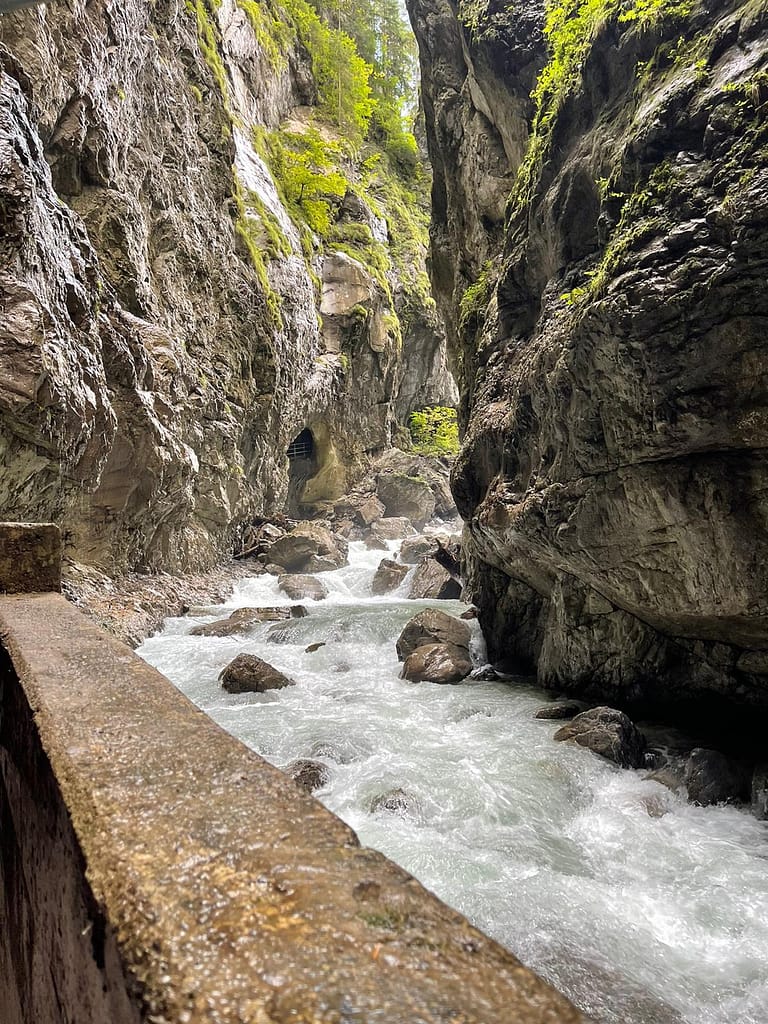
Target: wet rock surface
{"type": "Point", "coordinates": [397, 801]}
{"type": "Point", "coordinates": [249, 674]}
{"type": "Point", "coordinates": [408, 496]}
{"type": "Point", "coordinates": [613, 472]}
{"type": "Point", "coordinates": [559, 710]}
{"type": "Point", "coordinates": [433, 582]}
{"type": "Point", "coordinates": [432, 627]}
{"type": "Point", "coordinates": [392, 528]}
{"type": "Point", "coordinates": [184, 364]}
{"type": "Point", "coordinates": [309, 547]}
{"type": "Point", "coordinates": [711, 777]}
{"type": "Point", "coordinates": [437, 663]}
{"type": "Point", "coordinates": [609, 733]}
{"type": "Point", "coordinates": [240, 621]}
{"type": "Point", "coordinates": [300, 587]}
{"type": "Point", "coordinates": [388, 577]}
{"type": "Point", "coordinates": [309, 775]}
{"type": "Point", "coordinates": [414, 549]}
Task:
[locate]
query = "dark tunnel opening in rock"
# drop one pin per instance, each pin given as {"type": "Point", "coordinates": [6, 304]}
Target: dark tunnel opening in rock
{"type": "Point", "coordinates": [303, 464]}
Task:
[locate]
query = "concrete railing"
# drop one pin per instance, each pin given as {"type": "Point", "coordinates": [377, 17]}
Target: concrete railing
{"type": "Point", "coordinates": [154, 869]}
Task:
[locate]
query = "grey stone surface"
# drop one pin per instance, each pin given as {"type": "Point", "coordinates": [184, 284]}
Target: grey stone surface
{"type": "Point", "coordinates": [30, 558]}
{"type": "Point", "coordinates": [609, 733]}
{"type": "Point", "coordinates": [388, 577]}
{"type": "Point", "coordinates": [437, 663]}
{"type": "Point", "coordinates": [249, 674]}
{"type": "Point", "coordinates": [429, 627]}
{"type": "Point", "coordinates": [612, 350]}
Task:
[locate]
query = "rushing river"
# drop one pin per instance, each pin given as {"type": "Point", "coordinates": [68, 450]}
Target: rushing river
{"type": "Point", "coordinates": [641, 908]}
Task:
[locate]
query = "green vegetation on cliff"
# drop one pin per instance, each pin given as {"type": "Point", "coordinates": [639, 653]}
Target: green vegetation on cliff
{"type": "Point", "coordinates": [570, 29]}
{"type": "Point", "coordinates": [434, 431]}
{"type": "Point", "coordinates": [356, 142]}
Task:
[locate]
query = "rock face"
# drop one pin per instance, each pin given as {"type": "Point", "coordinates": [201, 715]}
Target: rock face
{"type": "Point", "coordinates": [609, 336]}
{"type": "Point", "coordinates": [249, 674]}
{"type": "Point", "coordinates": [158, 355]}
{"type": "Point", "coordinates": [609, 733]}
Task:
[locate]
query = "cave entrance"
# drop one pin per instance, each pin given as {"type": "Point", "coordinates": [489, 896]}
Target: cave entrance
{"type": "Point", "coordinates": [302, 466]}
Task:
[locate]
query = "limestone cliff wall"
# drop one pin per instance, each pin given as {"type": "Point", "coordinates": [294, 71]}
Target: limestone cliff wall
{"type": "Point", "coordinates": [599, 253]}
{"type": "Point", "coordinates": [154, 363]}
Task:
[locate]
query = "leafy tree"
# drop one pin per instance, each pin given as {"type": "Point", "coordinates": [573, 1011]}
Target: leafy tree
{"type": "Point", "coordinates": [303, 165]}
{"type": "Point", "coordinates": [435, 431]}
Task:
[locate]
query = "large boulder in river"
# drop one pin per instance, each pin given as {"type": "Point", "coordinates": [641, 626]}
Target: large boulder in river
{"type": "Point", "coordinates": [433, 582]}
{"type": "Point", "coordinates": [714, 778]}
{"type": "Point", "coordinates": [300, 587]}
{"type": "Point", "coordinates": [609, 733]}
{"type": "Point", "coordinates": [242, 619]}
{"type": "Point", "coordinates": [432, 627]}
{"type": "Point", "coordinates": [388, 577]}
{"type": "Point", "coordinates": [249, 674]}
{"type": "Point", "coordinates": [408, 496]}
{"type": "Point", "coordinates": [309, 547]}
{"type": "Point", "coordinates": [413, 549]}
{"type": "Point", "coordinates": [437, 663]}
{"type": "Point", "coordinates": [392, 528]}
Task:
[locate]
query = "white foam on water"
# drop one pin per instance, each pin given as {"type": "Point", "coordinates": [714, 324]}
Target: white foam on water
{"type": "Point", "coordinates": [640, 907]}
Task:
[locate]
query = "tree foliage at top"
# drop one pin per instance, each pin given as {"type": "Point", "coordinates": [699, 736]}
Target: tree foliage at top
{"type": "Point", "coordinates": [364, 59]}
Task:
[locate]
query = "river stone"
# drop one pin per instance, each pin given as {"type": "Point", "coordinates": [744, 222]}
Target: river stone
{"type": "Point", "coordinates": [609, 733]}
{"type": "Point", "coordinates": [374, 544]}
{"type": "Point", "coordinates": [307, 774]}
{"type": "Point", "coordinates": [407, 496]}
{"type": "Point", "coordinates": [712, 777]}
{"type": "Point", "coordinates": [392, 529]}
{"type": "Point", "coordinates": [559, 710]}
{"type": "Point", "coordinates": [388, 577]}
{"type": "Point", "coordinates": [668, 776]}
{"type": "Point", "coordinates": [320, 563]}
{"type": "Point", "coordinates": [485, 673]}
{"type": "Point", "coordinates": [300, 587]}
{"type": "Point", "coordinates": [760, 792]}
{"type": "Point", "coordinates": [314, 647]}
{"type": "Point", "coordinates": [413, 549]}
{"type": "Point", "coordinates": [240, 620]}
{"type": "Point", "coordinates": [437, 663]}
{"type": "Point", "coordinates": [249, 674]}
{"type": "Point", "coordinates": [396, 801]}
{"type": "Point", "coordinates": [432, 627]}
{"type": "Point", "coordinates": [306, 545]}
{"type": "Point", "coordinates": [432, 582]}
{"type": "Point", "coordinates": [275, 570]}
{"type": "Point", "coordinates": [370, 510]}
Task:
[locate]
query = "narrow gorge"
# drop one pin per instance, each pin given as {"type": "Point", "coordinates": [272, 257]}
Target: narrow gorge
{"type": "Point", "coordinates": [349, 349]}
